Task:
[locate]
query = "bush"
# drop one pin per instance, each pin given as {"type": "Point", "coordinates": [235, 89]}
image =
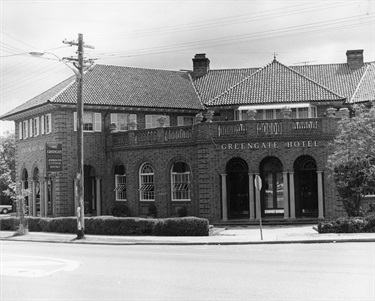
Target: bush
{"type": "Point", "coordinates": [63, 225]}
{"type": "Point", "coordinates": [185, 226]}
{"type": "Point", "coordinates": [33, 224]}
{"type": "Point", "coordinates": [181, 211]}
{"type": "Point", "coordinates": [109, 225]}
{"type": "Point", "coordinates": [9, 223]}
{"type": "Point", "coordinates": [349, 225]}
{"type": "Point", "coordinates": [120, 210]}
{"type": "Point", "coordinates": [152, 210]}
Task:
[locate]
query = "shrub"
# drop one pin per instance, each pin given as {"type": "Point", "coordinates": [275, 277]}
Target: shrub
{"type": "Point", "coordinates": [152, 210]}
{"type": "Point", "coordinates": [349, 225]}
{"type": "Point", "coordinates": [185, 226]}
{"type": "Point", "coordinates": [120, 210]}
{"type": "Point", "coordinates": [181, 211]}
{"type": "Point", "coordinates": [63, 224]}
{"type": "Point", "coordinates": [33, 224]}
{"type": "Point", "coordinates": [9, 223]}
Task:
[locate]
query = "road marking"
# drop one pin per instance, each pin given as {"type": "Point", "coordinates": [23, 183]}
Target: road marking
{"type": "Point", "coordinates": [34, 266]}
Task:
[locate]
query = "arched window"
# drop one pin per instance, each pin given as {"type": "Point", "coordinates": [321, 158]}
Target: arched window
{"type": "Point", "coordinates": [180, 181]}
{"type": "Point", "coordinates": [146, 183]}
{"type": "Point", "coordinates": [120, 183]}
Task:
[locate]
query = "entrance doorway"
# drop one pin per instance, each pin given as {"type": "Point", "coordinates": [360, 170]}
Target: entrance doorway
{"type": "Point", "coordinates": [272, 193]}
{"type": "Point", "coordinates": [36, 194]}
{"type": "Point", "coordinates": [91, 191]}
{"type": "Point", "coordinates": [25, 185]}
{"type": "Point", "coordinates": [238, 189]}
{"type": "Point", "coordinates": [306, 187]}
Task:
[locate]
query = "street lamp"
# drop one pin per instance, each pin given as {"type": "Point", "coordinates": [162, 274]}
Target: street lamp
{"type": "Point", "coordinates": [39, 53]}
{"type": "Point", "coordinates": [79, 77]}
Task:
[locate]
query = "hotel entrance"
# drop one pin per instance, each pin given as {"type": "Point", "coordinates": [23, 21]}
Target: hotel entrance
{"type": "Point", "coordinates": [272, 193]}
{"type": "Point", "coordinates": [238, 189]}
{"type": "Point", "coordinates": [306, 187]}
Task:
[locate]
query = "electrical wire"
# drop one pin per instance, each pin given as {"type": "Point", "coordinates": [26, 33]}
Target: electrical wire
{"type": "Point", "coordinates": [271, 34]}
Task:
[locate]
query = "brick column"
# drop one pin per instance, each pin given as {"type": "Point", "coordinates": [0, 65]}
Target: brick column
{"type": "Point", "coordinates": [251, 196]}
{"type": "Point", "coordinates": [224, 197]}
{"type": "Point", "coordinates": [98, 197]}
{"type": "Point", "coordinates": [286, 195]}
{"type": "Point", "coordinates": [320, 195]}
{"type": "Point", "coordinates": [292, 196]}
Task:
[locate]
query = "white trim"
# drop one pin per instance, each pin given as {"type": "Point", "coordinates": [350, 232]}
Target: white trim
{"type": "Point", "coordinates": [274, 106]}
{"type": "Point", "coordinates": [97, 122]}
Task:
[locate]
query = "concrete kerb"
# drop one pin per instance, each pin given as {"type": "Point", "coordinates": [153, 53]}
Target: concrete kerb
{"type": "Point", "coordinates": [184, 241]}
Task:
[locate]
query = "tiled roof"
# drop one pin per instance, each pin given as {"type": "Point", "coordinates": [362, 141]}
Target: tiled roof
{"type": "Point", "coordinates": [343, 80]}
{"type": "Point", "coordinates": [43, 98]}
{"type": "Point", "coordinates": [134, 87]}
{"type": "Point", "coordinates": [218, 81]}
{"type": "Point", "coordinates": [123, 86]}
{"type": "Point", "coordinates": [275, 83]}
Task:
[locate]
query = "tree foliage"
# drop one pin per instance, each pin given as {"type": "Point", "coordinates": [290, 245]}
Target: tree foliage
{"type": "Point", "coordinates": [7, 165]}
{"type": "Point", "coordinates": [353, 159]}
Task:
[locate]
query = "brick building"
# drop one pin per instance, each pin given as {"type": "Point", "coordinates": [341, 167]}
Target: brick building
{"type": "Point", "coordinates": [192, 139]}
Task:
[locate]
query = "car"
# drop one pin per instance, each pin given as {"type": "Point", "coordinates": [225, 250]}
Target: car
{"type": "Point", "coordinates": [5, 208]}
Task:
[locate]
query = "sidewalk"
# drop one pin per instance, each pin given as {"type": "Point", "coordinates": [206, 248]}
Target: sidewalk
{"type": "Point", "coordinates": [219, 236]}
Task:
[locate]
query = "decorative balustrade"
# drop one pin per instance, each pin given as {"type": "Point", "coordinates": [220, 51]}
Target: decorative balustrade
{"type": "Point", "coordinates": [224, 130]}
{"type": "Point", "coordinates": [232, 129]}
{"type": "Point", "coordinates": [145, 136]}
{"type": "Point", "coordinates": [173, 134]}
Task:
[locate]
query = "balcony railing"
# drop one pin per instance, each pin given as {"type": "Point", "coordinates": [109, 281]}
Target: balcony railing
{"type": "Point", "coordinates": [225, 130]}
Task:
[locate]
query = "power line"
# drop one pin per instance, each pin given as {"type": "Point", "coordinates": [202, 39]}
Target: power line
{"type": "Point", "coordinates": [281, 32]}
{"type": "Point", "coordinates": [16, 39]}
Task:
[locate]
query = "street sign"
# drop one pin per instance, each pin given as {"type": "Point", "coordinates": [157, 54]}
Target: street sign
{"type": "Point", "coordinates": [258, 183]}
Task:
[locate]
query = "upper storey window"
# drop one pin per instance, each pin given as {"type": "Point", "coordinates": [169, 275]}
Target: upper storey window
{"type": "Point", "coordinates": [153, 122]}
{"type": "Point", "coordinates": [34, 127]}
{"type": "Point", "coordinates": [269, 112]}
{"type": "Point", "coordinates": [92, 122]}
{"type": "Point", "coordinates": [123, 121]}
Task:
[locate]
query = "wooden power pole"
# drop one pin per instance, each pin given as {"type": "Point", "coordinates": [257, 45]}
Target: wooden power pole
{"type": "Point", "coordinates": [79, 64]}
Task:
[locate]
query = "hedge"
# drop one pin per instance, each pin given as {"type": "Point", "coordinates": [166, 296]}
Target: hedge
{"type": "Point", "coordinates": [349, 225]}
{"type": "Point", "coordinates": [109, 225]}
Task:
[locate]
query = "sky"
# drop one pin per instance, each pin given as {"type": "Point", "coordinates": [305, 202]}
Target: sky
{"type": "Point", "coordinates": [167, 34]}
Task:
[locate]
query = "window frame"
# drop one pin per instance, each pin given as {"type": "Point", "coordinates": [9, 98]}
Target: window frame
{"type": "Point", "coordinates": [181, 183]}
{"type": "Point", "coordinates": [146, 183]}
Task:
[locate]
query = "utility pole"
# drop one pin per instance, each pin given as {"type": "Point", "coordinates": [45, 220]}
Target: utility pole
{"type": "Point", "coordinates": [79, 64]}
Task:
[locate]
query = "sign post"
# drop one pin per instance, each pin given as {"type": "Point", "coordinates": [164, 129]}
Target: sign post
{"type": "Point", "coordinates": [258, 187]}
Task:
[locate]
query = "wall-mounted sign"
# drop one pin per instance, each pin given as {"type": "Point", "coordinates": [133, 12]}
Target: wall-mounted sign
{"type": "Point", "coordinates": [54, 157]}
{"type": "Point", "coordinates": [268, 145]}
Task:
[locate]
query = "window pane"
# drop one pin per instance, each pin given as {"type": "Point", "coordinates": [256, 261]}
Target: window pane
{"type": "Point", "coordinates": [180, 181]}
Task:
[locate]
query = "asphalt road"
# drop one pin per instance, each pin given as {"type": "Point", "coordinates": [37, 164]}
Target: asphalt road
{"type": "Point", "coordinates": [48, 271]}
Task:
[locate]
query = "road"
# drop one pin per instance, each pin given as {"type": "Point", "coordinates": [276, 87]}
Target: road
{"type": "Point", "coordinates": [53, 271]}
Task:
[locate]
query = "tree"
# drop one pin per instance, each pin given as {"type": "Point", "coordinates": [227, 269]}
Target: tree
{"type": "Point", "coordinates": [7, 166]}
{"type": "Point", "coordinates": [353, 159]}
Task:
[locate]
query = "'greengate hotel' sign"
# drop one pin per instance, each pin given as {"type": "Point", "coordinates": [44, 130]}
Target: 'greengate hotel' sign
{"type": "Point", "coordinates": [268, 145]}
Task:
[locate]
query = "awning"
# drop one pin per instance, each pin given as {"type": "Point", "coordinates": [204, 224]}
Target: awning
{"type": "Point", "coordinates": [147, 187]}
{"type": "Point", "coordinates": [120, 187]}
{"type": "Point", "coordinates": [274, 106]}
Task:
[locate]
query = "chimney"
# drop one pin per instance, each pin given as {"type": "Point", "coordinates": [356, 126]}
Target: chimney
{"type": "Point", "coordinates": [354, 58]}
{"type": "Point", "coordinates": [201, 65]}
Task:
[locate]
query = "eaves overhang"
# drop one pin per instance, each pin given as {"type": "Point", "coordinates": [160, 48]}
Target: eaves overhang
{"type": "Point", "coordinates": [37, 110]}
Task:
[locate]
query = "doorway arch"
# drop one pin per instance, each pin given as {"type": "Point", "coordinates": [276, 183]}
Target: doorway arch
{"type": "Point", "coordinates": [237, 188]}
{"type": "Point", "coordinates": [306, 186]}
{"type": "Point", "coordinates": [272, 193]}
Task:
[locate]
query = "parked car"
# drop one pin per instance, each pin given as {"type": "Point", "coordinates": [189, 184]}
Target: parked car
{"type": "Point", "coordinates": [5, 208]}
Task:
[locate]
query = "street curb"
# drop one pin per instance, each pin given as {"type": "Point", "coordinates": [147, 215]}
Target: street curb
{"type": "Point", "coordinates": [167, 243]}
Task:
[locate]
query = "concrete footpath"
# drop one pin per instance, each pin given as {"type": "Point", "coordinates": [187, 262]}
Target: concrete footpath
{"type": "Point", "coordinates": [230, 235]}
